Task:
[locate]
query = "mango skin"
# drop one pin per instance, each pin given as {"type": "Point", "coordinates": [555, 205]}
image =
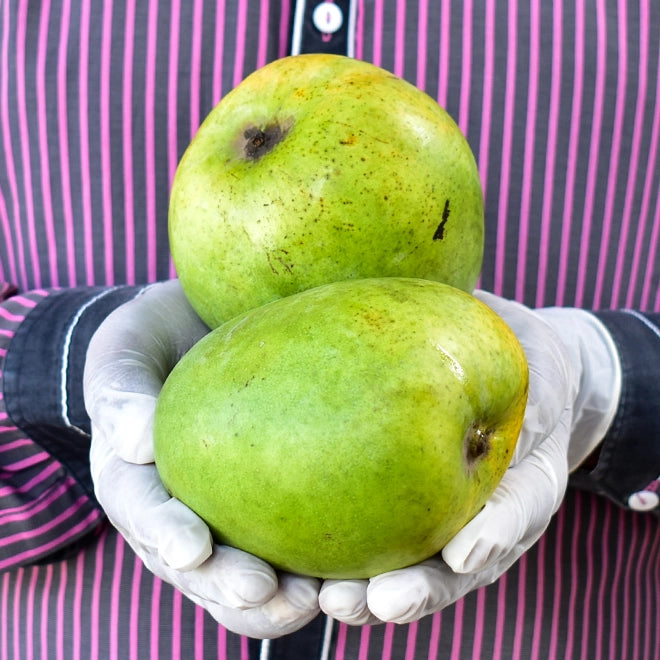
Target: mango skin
{"type": "Point", "coordinates": [348, 430]}
{"type": "Point", "coordinates": [364, 175]}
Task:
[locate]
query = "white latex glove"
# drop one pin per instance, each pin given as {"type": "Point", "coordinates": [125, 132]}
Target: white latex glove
{"type": "Point", "coordinates": [574, 391]}
{"type": "Point", "coordinates": [128, 360]}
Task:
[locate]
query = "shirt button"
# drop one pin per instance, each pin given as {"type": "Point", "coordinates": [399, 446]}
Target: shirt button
{"type": "Point", "coordinates": [327, 17]}
{"type": "Point", "coordinates": [644, 500]}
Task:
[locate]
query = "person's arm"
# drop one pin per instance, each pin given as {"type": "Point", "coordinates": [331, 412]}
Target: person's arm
{"type": "Point", "coordinates": [625, 465]}
{"type": "Point", "coordinates": [47, 502]}
{"type": "Point", "coordinates": [43, 370]}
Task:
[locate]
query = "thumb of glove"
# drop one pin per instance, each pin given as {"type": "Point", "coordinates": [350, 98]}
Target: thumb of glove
{"type": "Point", "coordinates": [519, 510]}
{"type": "Point", "coordinates": [128, 359]}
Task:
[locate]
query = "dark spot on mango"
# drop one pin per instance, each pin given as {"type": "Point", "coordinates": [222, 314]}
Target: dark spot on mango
{"type": "Point", "coordinates": [440, 231]}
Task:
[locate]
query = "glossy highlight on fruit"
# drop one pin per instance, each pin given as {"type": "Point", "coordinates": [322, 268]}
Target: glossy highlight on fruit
{"type": "Point", "coordinates": [347, 430]}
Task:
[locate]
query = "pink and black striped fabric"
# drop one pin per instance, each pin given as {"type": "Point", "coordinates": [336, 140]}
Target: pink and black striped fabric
{"type": "Point", "coordinates": [558, 101]}
{"type": "Point", "coordinates": [43, 509]}
{"type": "Point", "coordinates": [561, 105]}
{"type": "Point", "coordinates": [589, 589]}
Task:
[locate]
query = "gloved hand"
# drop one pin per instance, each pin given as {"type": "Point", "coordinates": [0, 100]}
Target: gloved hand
{"type": "Point", "coordinates": [573, 386]}
{"type": "Point", "coordinates": [574, 391]}
{"type": "Point", "coordinates": [128, 360]}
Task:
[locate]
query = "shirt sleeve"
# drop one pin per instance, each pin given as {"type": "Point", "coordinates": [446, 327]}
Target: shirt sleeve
{"type": "Point", "coordinates": [628, 466]}
{"type": "Point", "coordinates": [47, 505]}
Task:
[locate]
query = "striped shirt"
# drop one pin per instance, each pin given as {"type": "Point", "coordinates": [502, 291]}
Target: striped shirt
{"type": "Point", "coordinates": [561, 105]}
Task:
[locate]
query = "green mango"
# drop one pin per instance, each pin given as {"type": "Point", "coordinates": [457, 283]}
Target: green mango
{"type": "Point", "coordinates": [347, 430]}
{"type": "Point", "coordinates": [319, 168]}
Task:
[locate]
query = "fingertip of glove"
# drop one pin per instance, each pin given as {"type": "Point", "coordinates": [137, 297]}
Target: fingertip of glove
{"type": "Point", "coordinates": [190, 548]}
{"type": "Point", "coordinates": [345, 600]}
{"type": "Point", "coordinates": [254, 588]}
{"type": "Point", "coordinates": [184, 540]}
{"type": "Point", "coordinates": [460, 561]}
{"type": "Point", "coordinates": [479, 544]}
{"type": "Point", "coordinates": [400, 609]}
{"type": "Point", "coordinates": [406, 595]}
{"type": "Point", "coordinates": [294, 604]}
{"type": "Point", "coordinates": [301, 592]}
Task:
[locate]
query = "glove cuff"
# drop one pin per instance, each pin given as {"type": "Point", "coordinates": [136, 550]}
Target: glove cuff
{"type": "Point", "coordinates": [43, 372]}
{"type": "Point", "coordinates": [628, 466]}
{"type": "Point", "coordinates": [594, 359]}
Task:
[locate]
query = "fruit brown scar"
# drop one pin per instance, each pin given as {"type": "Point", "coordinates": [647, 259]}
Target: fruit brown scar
{"type": "Point", "coordinates": [260, 141]}
{"type": "Point", "coordinates": [440, 231]}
